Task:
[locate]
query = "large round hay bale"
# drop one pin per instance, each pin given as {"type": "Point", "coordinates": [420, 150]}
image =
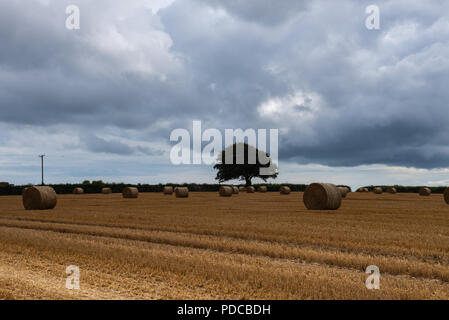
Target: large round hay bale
{"type": "Point", "coordinates": [391, 190]}
{"type": "Point", "coordinates": [130, 192]}
{"type": "Point", "coordinates": [39, 198]}
{"type": "Point", "coordinates": [242, 189]}
{"type": "Point", "coordinates": [446, 195]}
{"type": "Point", "coordinates": [322, 196]}
{"type": "Point", "coordinates": [262, 189]}
{"type": "Point", "coordinates": [78, 191]}
{"type": "Point", "coordinates": [181, 192]}
{"type": "Point", "coordinates": [106, 190]}
{"type": "Point", "coordinates": [225, 191]}
{"type": "Point", "coordinates": [378, 190]}
{"type": "Point", "coordinates": [168, 190]}
{"type": "Point", "coordinates": [343, 191]}
{"type": "Point", "coordinates": [285, 190]}
{"type": "Point", "coordinates": [361, 189]}
{"type": "Point", "coordinates": [235, 190]}
{"type": "Point", "coordinates": [250, 189]}
{"type": "Point", "coordinates": [425, 192]}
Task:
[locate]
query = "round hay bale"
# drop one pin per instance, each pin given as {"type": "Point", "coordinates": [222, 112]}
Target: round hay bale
{"type": "Point", "coordinates": [322, 196]}
{"type": "Point", "coordinates": [250, 189]}
{"type": "Point", "coordinates": [446, 195]}
{"type": "Point", "coordinates": [362, 189]}
{"type": "Point", "coordinates": [182, 192]}
{"type": "Point", "coordinates": [425, 192]}
{"type": "Point", "coordinates": [168, 190]}
{"type": "Point", "coordinates": [106, 190]}
{"type": "Point", "coordinates": [130, 193]}
{"type": "Point", "coordinates": [78, 191]}
{"type": "Point", "coordinates": [377, 190]}
{"type": "Point", "coordinates": [343, 191]}
{"type": "Point", "coordinates": [24, 189]}
{"type": "Point", "coordinates": [39, 198]}
{"type": "Point", "coordinates": [242, 189]}
{"type": "Point", "coordinates": [235, 190]}
{"type": "Point", "coordinates": [262, 189]}
{"type": "Point", "coordinates": [225, 191]}
{"type": "Point", "coordinates": [285, 190]}
{"type": "Point", "coordinates": [391, 190]}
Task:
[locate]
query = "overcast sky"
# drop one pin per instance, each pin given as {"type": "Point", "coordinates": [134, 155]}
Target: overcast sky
{"type": "Point", "coordinates": [353, 106]}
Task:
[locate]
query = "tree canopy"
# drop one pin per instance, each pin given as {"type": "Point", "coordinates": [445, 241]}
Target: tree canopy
{"type": "Point", "coordinates": [244, 162]}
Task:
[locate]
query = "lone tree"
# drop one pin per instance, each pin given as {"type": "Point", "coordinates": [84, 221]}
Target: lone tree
{"type": "Point", "coordinates": [244, 162]}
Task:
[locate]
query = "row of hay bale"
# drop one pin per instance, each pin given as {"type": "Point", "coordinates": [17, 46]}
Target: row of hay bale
{"type": "Point", "coordinates": [326, 196]}
{"type": "Point", "coordinates": [391, 190]}
{"type": "Point", "coordinates": [317, 196]}
{"type": "Point", "coordinates": [180, 192]}
{"type": "Point", "coordinates": [44, 197]}
{"type": "Point", "coordinates": [227, 191]}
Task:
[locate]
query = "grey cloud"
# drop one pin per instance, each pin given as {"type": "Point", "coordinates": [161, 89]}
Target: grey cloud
{"type": "Point", "coordinates": [378, 96]}
{"type": "Point", "coordinates": [97, 144]}
{"type": "Point", "coordinates": [264, 12]}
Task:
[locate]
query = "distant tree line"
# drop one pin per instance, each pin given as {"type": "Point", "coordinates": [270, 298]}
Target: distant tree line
{"type": "Point", "coordinates": [96, 186]}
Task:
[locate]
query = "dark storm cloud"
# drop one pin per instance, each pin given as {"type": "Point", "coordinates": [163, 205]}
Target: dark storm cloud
{"type": "Point", "coordinates": [342, 95]}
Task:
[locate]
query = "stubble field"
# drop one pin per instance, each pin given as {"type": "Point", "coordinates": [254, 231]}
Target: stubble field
{"type": "Point", "coordinates": [249, 246]}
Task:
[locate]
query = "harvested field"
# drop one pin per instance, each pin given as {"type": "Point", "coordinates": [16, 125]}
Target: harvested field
{"type": "Point", "coordinates": [252, 246]}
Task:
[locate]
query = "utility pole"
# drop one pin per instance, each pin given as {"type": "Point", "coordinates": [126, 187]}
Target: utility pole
{"type": "Point", "coordinates": [42, 166]}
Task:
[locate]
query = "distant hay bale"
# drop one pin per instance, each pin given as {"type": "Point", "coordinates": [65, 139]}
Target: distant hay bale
{"type": "Point", "coordinates": [225, 191]}
{"type": "Point", "coordinates": [343, 191]}
{"type": "Point", "coordinates": [39, 198]}
{"type": "Point", "coordinates": [262, 189]}
{"type": "Point", "coordinates": [242, 189]}
{"type": "Point", "coordinates": [250, 189]}
{"type": "Point", "coordinates": [78, 191]}
{"type": "Point", "coordinates": [106, 190]}
{"type": "Point", "coordinates": [235, 190]}
{"type": "Point", "coordinates": [446, 195]}
{"type": "Point", "coordinates": [392, 190]}
{"type": "Point", "coordinates": [182, 192]}
{"type": "Point", "coordinates": [425, 192]}
{"type": "Point", "coordinates": [130, 192]}
{"type": "Point", "coordinates": [285, 190]}
{"type": "Point", "coordinates": [4, 184]}
{"type": "Point", "coordinates": [377, 190]}
{"type": "Point", "coordinates": [322, 196]}
{"type": "Point", "coordinates": [168, 190]}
